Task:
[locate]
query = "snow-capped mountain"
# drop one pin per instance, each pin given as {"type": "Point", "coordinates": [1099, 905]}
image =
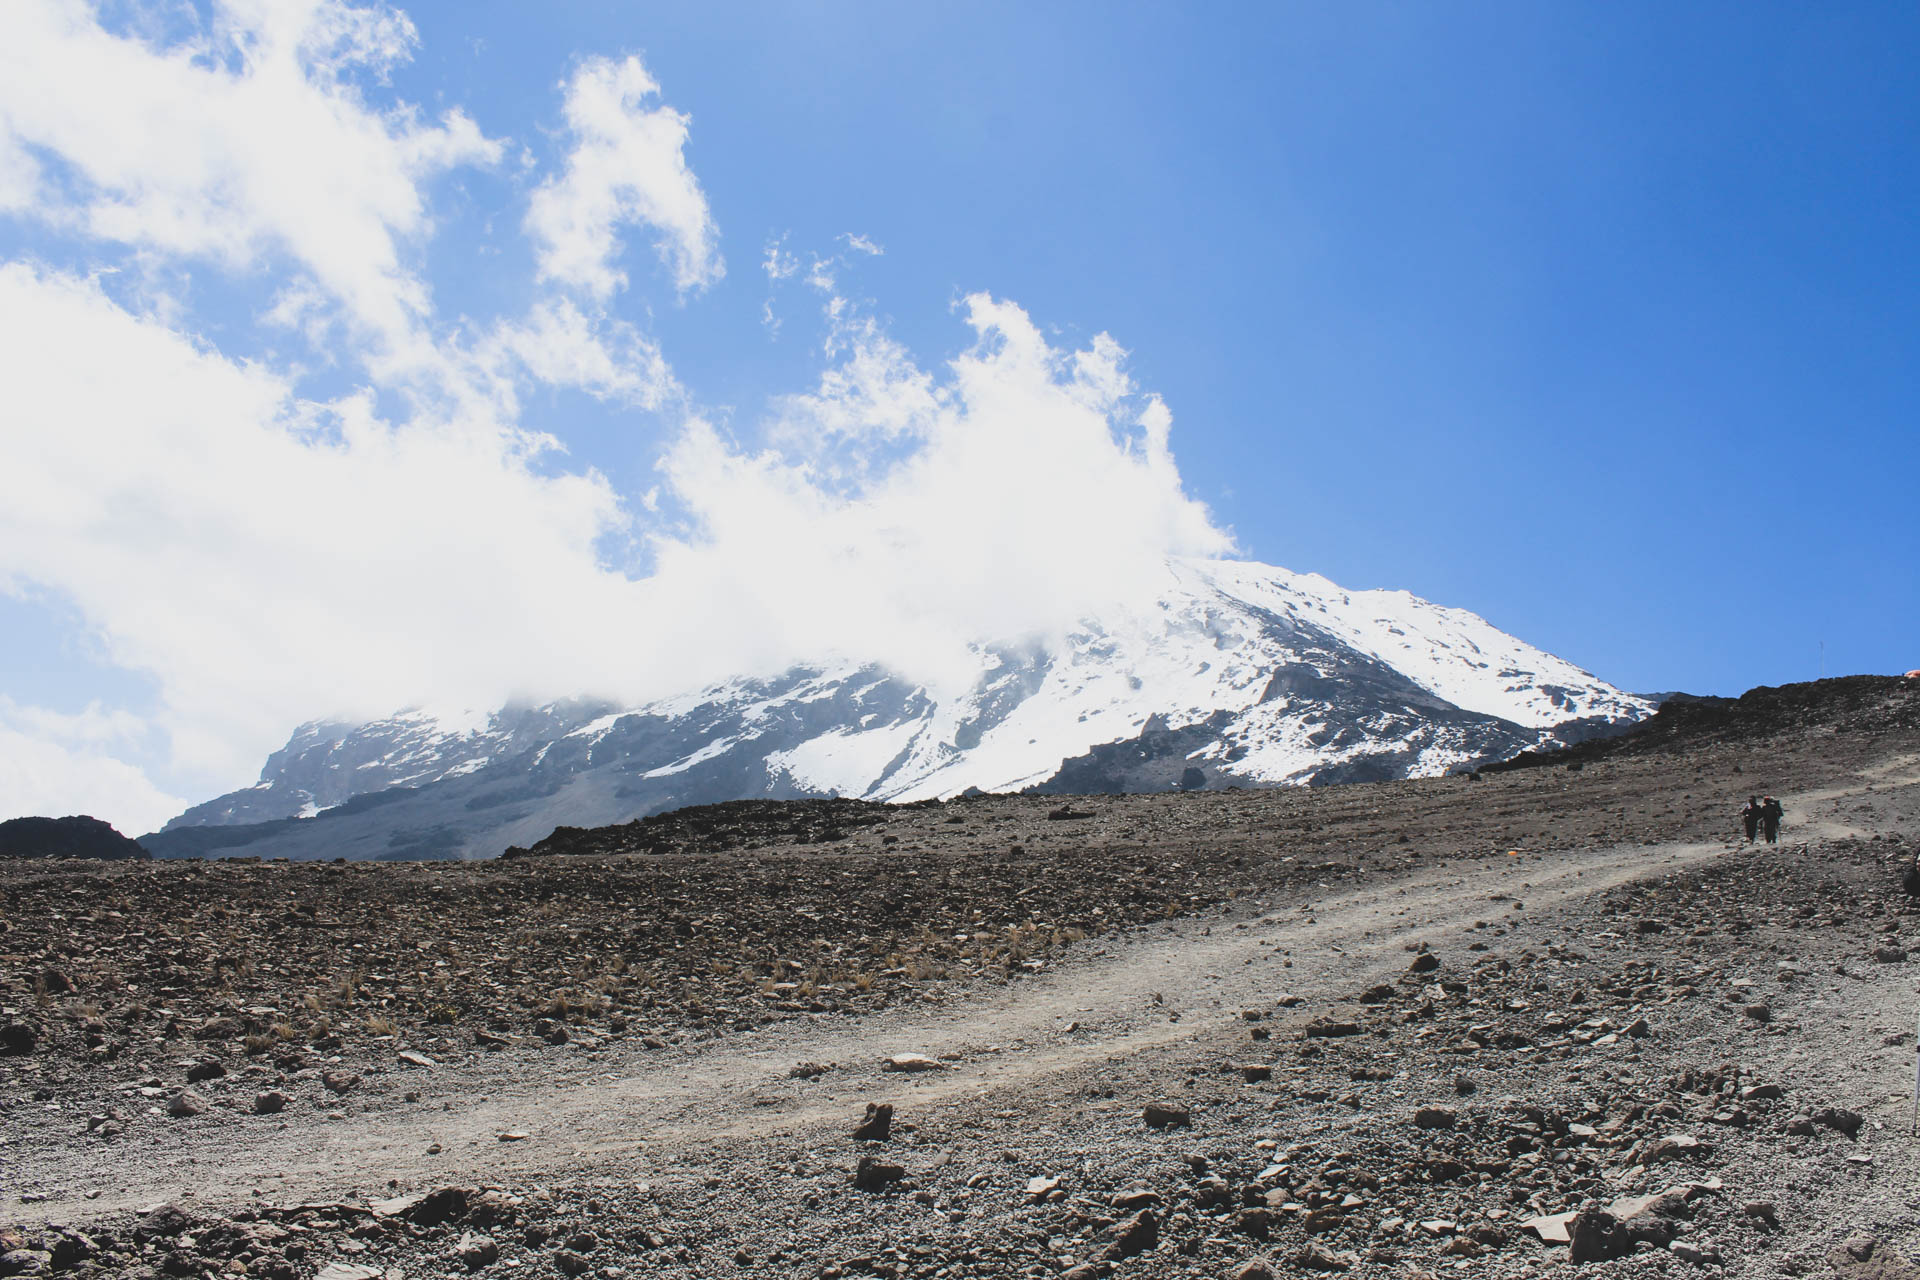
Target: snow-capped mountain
{"type": "Point", "coordinates": [1238, 674]}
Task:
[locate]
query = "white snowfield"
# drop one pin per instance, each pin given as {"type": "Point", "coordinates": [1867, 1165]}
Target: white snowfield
{"type": "Point", "coordinates": [1211, 645]}
{"type": "Point", "coordinates": [1303, 674]}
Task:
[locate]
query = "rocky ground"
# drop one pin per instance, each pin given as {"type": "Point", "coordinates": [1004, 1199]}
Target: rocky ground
{"type": "Point", "coordinates": [1384, 1029]}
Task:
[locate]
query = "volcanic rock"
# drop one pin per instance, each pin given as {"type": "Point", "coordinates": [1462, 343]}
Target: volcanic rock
{"type": "Point", "coordinates": [187, 1103]}
{"type": "Point", "coordinates": [1840, 1118]}
{"type": "Point", "coordinates": [877, 1124]}
{"type": "Point", "coordinates": [476, 1250]}
{"type": "Point", "coordinates": [1594, 1235]}
{"type": "Point", "coordinates": [1134, 1235]}
{"type": "Point", "coordinates": [876, 1175]}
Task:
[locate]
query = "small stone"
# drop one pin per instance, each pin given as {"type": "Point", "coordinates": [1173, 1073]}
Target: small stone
{"type": "Point", "coordinates": [1759, 1011]}
{"type": "Point", "coordinates": [25, 1262]}
{"type": "Point", "coordinates": [1699, 1255]}
{"type": "Point", "coordinates": [1890, 954]}
{"type": "Point", "coordinates": [1327, 1028]}
{"type": "Point", "coordinates": [338, 1081]}
{"type": "Point", "coordinates": [1040, 1188]}
{"type": "Point", "coordinates": [1257, 1221]}
{"type": "Point", "coordinates": [476, 1250]}
{"type": "Point", "coordinates": [1800, 1127]}
{"type": "Point", "coordinates": [912, 1062]}
{"type": "Point", "coordinates": [269, 1103]}
{"type": "Point", "coordinates": [1859, 1248]}
{"type": "Point", "coordinates": [1212, 1193]}
{"type": "Point", "coordinates": [205, 1070]}
{"type": "Point", "coordinates": [1551, 1228]}
{"type": "Point", "coordinates": [1763, 1210]}
{"type": "Point", "coordinates": [1134, 1235]}
{"type": "Point", "coordinates": [187, 1103]}
{"type": "Point", "coordinates": [1594, 1235]}
{"type": "Point", "coordinates": [1840, 1118]}
{"type": "Point", "coordinates": [1165, 1115]}
{"type": "Point", "coordinates": [164, 1223]}
{"type": "Point", "coordinates": [448, 1204]}
{"type": "Point", "coordinates": [1254, 1269]}
{"type": "Point", "coordinates": [876, 1175]}
{"type": "Point", "coordinates": [514, 1135]}
{"type": "Point", "coordinates": [877, 1124]}
{"type": "Point", "coordinates": [1675, 1146]}
{"type": "Point", "coordinates": [349, 1271]}
{"type": "Point", "coordinates": [1317, 1257]}
{"type": "Point", "coordinates": [1436, 1117]}
{"type": "Point", "coordinates": [1254, 1072]}
{"type": "Point", "coordinates": [414, 1058]}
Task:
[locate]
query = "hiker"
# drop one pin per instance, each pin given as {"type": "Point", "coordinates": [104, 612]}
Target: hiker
{"type": "Point", "coordinates": [1750, 817]}
{"type": "Point", "coordinates": [1770, 814]}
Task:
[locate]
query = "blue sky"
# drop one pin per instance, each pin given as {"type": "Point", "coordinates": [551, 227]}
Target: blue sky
{"type": "Point", "coordinates": [1595, 320]}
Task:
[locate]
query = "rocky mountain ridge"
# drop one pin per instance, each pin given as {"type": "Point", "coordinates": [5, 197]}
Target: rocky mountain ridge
{"type": "Point", "coordinates": [1236, 675]}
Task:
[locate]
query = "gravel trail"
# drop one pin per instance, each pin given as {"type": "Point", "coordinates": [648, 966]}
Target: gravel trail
{"type": "Point", "coordinates": [610, 1110]}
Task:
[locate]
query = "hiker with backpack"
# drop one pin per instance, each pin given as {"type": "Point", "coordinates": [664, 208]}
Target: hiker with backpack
{"type": "Point", "coordinates": [1770, 815]}
{"type": "Point", "coordinates": [1750, 817]}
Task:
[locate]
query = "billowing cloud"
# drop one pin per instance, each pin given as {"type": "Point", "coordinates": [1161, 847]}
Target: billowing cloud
{"type": "Point", "coordinates": [265, 558]}
{"type": "Point", "coordinates": [628, 165]}
{"type": "Point", "coordinates": [265, 553]}
{"type": "Point", "coordinates": [234, 145]}
{"type": "Point", "coordinates": [897, 515]}
{"type": "Point", "coordinates": [58, 764]}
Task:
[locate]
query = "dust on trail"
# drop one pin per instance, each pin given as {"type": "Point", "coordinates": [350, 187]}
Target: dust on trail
{"type": "Point", "coordinates": [623, 1112]}
{"type": "Point", "coordinates": [1816, 814]}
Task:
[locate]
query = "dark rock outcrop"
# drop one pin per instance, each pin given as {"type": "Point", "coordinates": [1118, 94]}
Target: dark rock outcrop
{"type": "Point", "coordinates": [75, 837]}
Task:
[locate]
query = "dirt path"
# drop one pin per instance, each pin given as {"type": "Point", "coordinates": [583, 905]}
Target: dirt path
{"type": "Point", "coordinates": [1821, 814]}
{"type": "Point", "coordinates": [626, 1111]}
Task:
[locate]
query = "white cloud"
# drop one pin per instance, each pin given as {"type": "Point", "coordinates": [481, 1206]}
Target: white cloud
{"type": "Point", "coordinates": [94, 726]}
{"type": "Point", "coordinates": [563, 346]}
{"type": "Point", "coordinates": [242, 141]}
{"type": "Point", "coordinates": [862, 244]}
{"type": "Point", "coordinates": [266, 557]}
{"type": "Point", "coordinates": [56, 764]}
{"type": "Point", "coordinates": [902, 515]}
{"type": "Point", "coordinates": [778, 263]}
{"type": "Point", "coordinates": [19, 176]}
{"type": "Point", "coordinates": [628, 165]}
{"type": "Point", "coordinates": [269, 560]}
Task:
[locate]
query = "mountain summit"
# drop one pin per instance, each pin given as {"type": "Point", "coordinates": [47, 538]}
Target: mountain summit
{"type": "Point", "coordinates": [1236, 674]}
